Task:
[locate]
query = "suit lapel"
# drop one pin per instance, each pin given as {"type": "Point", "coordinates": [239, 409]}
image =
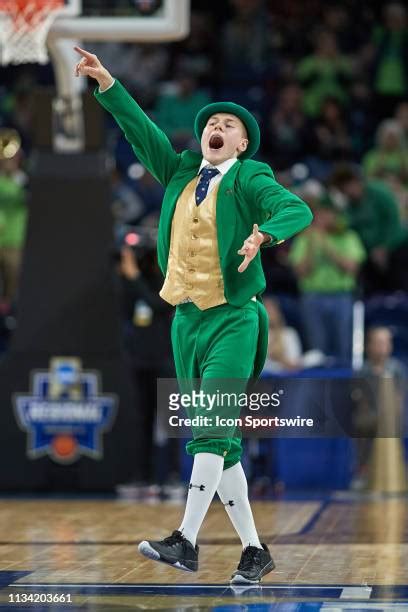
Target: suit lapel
{"type": "Point", "coordinates": [226, 211]}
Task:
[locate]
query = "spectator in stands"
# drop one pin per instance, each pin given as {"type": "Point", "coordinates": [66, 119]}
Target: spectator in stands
{"type": "Point", "coordinates": [345, 25]}
{"type": "Point", "coordinates": [326, 259]}
{"type": "Point", "coordinates": [176, 110]}
{"type": "Point", "coordinates": [278, 271]}
{"type": "Point", "coordinates": [389, 159]}
{"type": "Point", "coordinates": [284, 345]}
{"type": "Point", "coordinates": [361, 116]}
{"type": "Point", "coordinates": [372, 212]}
{"type": "Point", "coordinates": [390, 66]}
{"type": "Point", "coordinates": [288, 129]}
{"type": "Point", "coordinates": [330, 132]}
{"type": "Point", "coordinates": [401, 115]}
{"type": "Point", "coordinates": [325, 73]}
{"type": "Point", "coordinates": [198, 52]}
{"type": "Point", "coordinates": [379, 364]}
{"type": "Point", "coordinates": [151, 193]}
{"type": "Point", "coordinates": [399, 188]}
{"type": "Point", "coordinates": [285, 351]}
{"type": "Point", "coordinates": [379, 360]}
{"type": "Point", "coordinates": [146, 67]}
{"type": "Point", "coordinates": [329, 139]}
{"type": "Point", "coordinates": [13, 216]}
{"type": "Point", "coordinates": [245, 41]}
{"type": "Point", "coordinates": [136, 198]}
{"type": "Point", "coordinates": [140, 67]}
{"type": "Point", "coordinates": [21, 107]}
{"type": "Point", "coordinates": [127, 206]}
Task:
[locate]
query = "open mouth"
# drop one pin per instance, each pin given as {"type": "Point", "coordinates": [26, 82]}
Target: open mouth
{"type": "Point", "coordinates": [216, 141]}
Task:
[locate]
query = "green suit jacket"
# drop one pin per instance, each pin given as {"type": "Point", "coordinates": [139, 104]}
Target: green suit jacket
{"type": "Point", "coordinates": [247, 194]}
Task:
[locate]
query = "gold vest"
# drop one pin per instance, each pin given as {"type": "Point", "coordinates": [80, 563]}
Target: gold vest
{"type": "Point", "coordinates": [193, 268]}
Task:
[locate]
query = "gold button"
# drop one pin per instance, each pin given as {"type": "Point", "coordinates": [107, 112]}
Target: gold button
{"type": "Point", "coordinates": [189, 285]}
{"type": "Point", "coordinates": [191, 269]}
{"type": "Point", "coordinates": [194, 236]}
{"type": "Point", "coordinates": [195, 219]}
{"type": "Point", "coordinates": [192, 253]}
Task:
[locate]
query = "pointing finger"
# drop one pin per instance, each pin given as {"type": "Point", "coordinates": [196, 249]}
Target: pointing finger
{"type": "Point", "coordinates": [84, 53]}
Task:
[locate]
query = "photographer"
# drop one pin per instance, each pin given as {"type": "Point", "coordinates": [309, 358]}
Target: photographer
{"type": "Point", "coordinates": [147, 320]}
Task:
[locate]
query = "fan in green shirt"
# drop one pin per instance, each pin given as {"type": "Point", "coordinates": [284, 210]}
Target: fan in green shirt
{"type": "Point", "coordinates": [389, 158]}
{"type": "Point", "coordinates": [391, 39]}
{"type": "Point", "coordinates": [13, 217]}
{"type": "Point", "coordinates": [13, 211]}
{"type": "Point", "coordinates": [175, 113]}
{"type": "Point", "coordinates": [372, 211]}
{"type": "Point", "coordinates": [324, 74]}
{"type": "Point", "coordinates": [329, 260]}
{"type": "Point", "coordinates": [326, 259]}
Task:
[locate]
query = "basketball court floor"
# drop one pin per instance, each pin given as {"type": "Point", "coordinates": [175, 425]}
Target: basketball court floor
{"type": "Point", "coordinates": [336, 554]}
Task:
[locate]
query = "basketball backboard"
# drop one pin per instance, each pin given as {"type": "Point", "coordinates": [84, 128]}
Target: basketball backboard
{"type": "Point", "coordinates": [26, 26]}
{"type": "Point", "coordinates": [37, 29]}
{"type": "Point", "coordinates": [123, 20]}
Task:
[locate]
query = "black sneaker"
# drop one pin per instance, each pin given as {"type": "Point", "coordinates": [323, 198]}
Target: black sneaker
{"type": "Point", "coordinates": [174, 550]}
{"type": "Point", "coordinates": [255, 563]}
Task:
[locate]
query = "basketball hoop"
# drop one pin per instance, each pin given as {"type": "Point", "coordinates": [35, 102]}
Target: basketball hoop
{"type": "Point", "coordinates": [24, 26]}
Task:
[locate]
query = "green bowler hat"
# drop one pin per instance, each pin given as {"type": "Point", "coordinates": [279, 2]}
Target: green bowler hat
{"type": "Point", "coordinates": [231, 108]}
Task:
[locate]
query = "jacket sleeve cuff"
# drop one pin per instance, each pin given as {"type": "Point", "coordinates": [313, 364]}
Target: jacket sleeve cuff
{"type": "Point", "coordinates": [273, 240]}
{"type": "Point", "coordinates": [109, 96]}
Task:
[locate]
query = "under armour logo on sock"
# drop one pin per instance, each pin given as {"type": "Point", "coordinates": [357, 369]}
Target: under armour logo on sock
{"type": "Point", "coordinates": [201, 487]}
{"type": "Point", "coordinates": [230, 503]}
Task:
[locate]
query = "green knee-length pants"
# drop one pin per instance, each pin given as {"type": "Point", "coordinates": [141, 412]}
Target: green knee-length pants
{"type": "Point", "coordinates": [217, 343]}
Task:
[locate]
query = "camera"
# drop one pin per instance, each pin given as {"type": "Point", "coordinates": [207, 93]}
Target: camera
{"type": "Point", "coordinates": [141, 239]}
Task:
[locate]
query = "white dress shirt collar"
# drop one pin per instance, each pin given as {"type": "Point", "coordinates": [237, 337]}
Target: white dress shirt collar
{"type": "Point", "coordinates": [223, 167]}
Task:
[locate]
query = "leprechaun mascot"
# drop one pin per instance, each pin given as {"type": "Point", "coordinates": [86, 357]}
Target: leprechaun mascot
{"type": "Point", "coordinates": [219, 208]}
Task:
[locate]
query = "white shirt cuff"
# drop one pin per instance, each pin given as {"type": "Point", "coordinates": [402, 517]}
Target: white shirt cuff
{"type": "Point", "coordinates": [111, 85]}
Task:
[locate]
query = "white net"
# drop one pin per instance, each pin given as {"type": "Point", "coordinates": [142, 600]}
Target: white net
{"type": "Point", "coordinates": [24, 31]}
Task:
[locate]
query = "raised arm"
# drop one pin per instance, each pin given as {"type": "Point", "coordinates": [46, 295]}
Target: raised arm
{"type": "Point", "coordinates": [150, 144]}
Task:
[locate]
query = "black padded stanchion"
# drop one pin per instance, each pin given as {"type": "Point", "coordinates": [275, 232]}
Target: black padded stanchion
{"type": "Point", "coordinates": [67, 408]}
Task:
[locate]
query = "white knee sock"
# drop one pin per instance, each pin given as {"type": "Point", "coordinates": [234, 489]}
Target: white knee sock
{"type": "Point", "coordinates": [233, 492]}
{"type": "Point", "coordinates": [205, 476]}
